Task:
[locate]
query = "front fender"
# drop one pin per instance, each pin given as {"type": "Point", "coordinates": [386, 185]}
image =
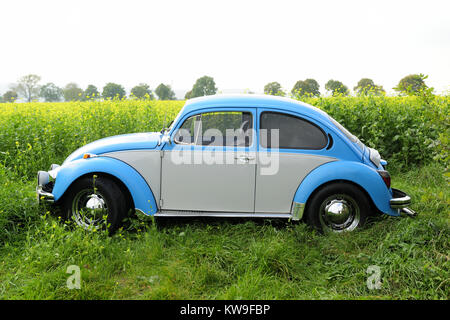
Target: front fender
{"type": "Point", "coordinates": [141, 193]}
{"type": "Point", "coordinates": [356, 172]}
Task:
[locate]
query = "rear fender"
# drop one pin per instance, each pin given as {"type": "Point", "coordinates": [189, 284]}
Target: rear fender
{"type": "Point", "coordinates": [141, 193]}
{"type": "Point", "coordinates": [355, 172]}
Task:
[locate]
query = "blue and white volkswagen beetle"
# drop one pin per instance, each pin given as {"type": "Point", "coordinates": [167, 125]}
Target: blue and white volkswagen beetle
{"type": "Point", "coordinates": [229, 156]}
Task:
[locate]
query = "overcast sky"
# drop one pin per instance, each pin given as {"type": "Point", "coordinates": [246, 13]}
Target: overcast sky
{"type": "Point", "coordinates": [241, 44]}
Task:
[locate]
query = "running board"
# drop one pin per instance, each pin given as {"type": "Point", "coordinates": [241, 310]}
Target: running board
{"type": "Point", "coordinates": [170, 213]}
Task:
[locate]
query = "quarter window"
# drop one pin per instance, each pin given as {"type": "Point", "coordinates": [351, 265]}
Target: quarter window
{"type": "Point", "coordinates": [294, 132]}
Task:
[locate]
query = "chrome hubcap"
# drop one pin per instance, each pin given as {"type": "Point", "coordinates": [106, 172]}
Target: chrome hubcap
{"type": "Point", "coordinates": [339, 213]}
{"type": "Point", "coordinates": [89, 209]}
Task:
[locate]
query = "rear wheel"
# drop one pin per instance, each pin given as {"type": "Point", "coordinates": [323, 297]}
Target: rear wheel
{"type": "Point", "coordinates": [95, 203]}
{"type": "Point", "coordinates": [338, 207]}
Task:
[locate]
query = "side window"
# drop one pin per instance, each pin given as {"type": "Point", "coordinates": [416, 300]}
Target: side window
{"type": "Point", "coordinates": [232, 128]}
{"type": "Point", "coordinates": [294, 132]}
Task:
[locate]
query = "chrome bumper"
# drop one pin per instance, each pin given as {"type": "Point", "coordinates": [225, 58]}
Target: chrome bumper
{"type": "Point", "coordinates": [43, 195]}
{"type": "Point", "coordinates": [400, 200]}
{"type": "Point", "coordinates": [45, 181]}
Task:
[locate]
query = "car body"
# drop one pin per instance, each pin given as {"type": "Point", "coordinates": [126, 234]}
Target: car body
{"type": "Point", "coordinates": [279, 155]}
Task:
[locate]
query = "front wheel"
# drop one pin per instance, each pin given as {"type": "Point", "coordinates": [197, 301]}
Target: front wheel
{"type": "Point", "coordinates": [338, 207]}
{"type": "Point", "coordinates": [94, 203]}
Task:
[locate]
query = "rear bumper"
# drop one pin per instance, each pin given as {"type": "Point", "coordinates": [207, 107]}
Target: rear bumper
{"type": "Point", "coordinates": [400, 201]}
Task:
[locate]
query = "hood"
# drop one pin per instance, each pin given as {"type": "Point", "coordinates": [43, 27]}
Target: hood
{"type": "Point", "coordinates": [133, 141]}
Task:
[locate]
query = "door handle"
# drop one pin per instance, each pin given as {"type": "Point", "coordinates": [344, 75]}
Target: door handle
{"type": "Point", "coordinates": [244, 158]}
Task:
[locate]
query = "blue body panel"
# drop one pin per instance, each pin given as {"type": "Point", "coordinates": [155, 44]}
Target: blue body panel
{"type": "Point", "coordinates": [356, 172]}
{"type": "Point", "coordinates": [140, 191]}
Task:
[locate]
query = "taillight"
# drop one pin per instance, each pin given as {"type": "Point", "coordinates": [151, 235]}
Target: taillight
{"type": "Point", "coordinates": [386, 177]}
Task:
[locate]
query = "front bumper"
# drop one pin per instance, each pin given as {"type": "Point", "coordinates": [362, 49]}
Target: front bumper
{"type": "Point", "coordinates": [44, 195]}
{"type": "Point", "coordinates": [400, 201]}
{"type": "Point", "coordinates": [45, 183]}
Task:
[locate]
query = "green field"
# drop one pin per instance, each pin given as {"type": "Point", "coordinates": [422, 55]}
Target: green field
{"type": "Point", "coordinates": [224, 259]}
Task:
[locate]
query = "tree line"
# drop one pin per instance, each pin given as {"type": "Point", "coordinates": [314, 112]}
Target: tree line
{"type": "Point", "coordinates": [412, 84]}
{"type": "Point", "coordinates": [30, 89]}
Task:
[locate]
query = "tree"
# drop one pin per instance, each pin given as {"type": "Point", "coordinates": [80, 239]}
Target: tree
{"type": "Point", "coordinates": [308, 87]}
{"type": "Point", "coordinates": [188, 94]}
{"type": "Point", "coordinates": [274, 89]}
{"type": "Point", "coordinates": [90, 93]}
{"type": "Point", "coordinates": [204, 86]}
{"type": "Point", "coordinates": [336, 88]}
{"type": "Point", "coordinates": [164, 92]}
{"type": "Point", "coordinates": [72, 92]}
{"type": "Point", "coordinates": [28, 87]}
{"type": "Point", "coordinates": [50, 92]}
{"type": "Point", "coordinates": [366, 87]}
{"type": "Point", "coordinates": [113, 91]}
{"type": "Point", "coordinates": [412, 84]}
{"type": "Point", "coordinates": [10, 96]}
{"type": "Point", "coordinates": [142, 91]}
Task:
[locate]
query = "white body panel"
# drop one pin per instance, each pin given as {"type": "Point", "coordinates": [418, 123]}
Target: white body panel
{"type": "Point", "coordinates": [207, 187]}
{"type": "Point", "coordinates": [275, 192]}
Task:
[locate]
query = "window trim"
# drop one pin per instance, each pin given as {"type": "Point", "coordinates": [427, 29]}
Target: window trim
{"type": "Point", "coordinates": [292, 116]}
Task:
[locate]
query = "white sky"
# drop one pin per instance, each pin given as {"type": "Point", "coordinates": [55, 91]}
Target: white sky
{"type": "Point", "coordinates": [242, 44]}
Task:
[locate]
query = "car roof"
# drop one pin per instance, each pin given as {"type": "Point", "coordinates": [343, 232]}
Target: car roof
{"type": "Point", "coordinates": [264, 101]}
{"type": "Point", "coordinates": [255, 100]}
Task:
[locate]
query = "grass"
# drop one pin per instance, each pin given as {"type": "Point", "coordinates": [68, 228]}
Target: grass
{"type": "Point", "coordinates": [227, 259]}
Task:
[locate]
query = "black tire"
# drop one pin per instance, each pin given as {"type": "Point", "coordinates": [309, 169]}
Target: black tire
{"type": "Point", "coordinates": [91, 199]}
{"type": "Point", "coordinates": [338, 207]}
